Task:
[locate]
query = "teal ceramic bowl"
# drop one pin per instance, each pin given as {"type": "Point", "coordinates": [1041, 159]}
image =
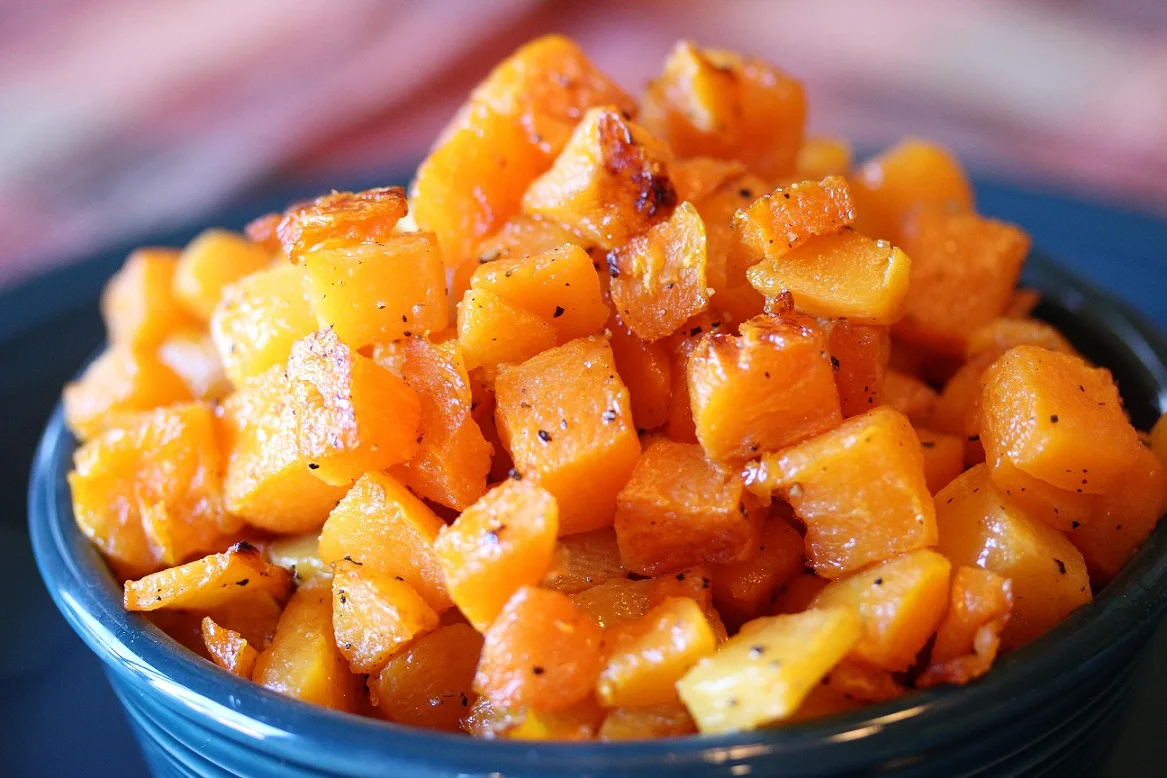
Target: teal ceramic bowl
{"type": "Point", "coordinates": [1051, 708]}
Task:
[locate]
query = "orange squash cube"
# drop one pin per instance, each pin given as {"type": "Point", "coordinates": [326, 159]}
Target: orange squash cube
{"type": "Point", "coordinates": [820, 157]}
{"type": "Point", "coordinates": [580, 721]}
{"type": "Point", "coordinates": [383, 526]}
{"type": "Point", "coordinates": [699, 177]}
{"type": "Point", "coordinates": [646, 369]}
{"type": "Point", "coordinates": [228, 649]}
{"type": "Point", "coordinates": [212, 260]}
{"type": "Point", "coordinates": [492, 331]}
{"type": "Point", "coordinates": [616, 601]}
{"type": "Point", "coordinates": [910, 396]}
{"type": "Point", "coordinates": [768, 388]}
{"type": "Point", "coordinates": [584, 560]}
{"type": "Point", "coordinates": [1000, 335]}
{"type": "Point", "coordinates": [1059, 508]}
{"type": "Point", "coordinates": [743, 589]}
{"type": "Point", "coordinates": [429, 683]}
{"type": "Point", "coordinates": [717, 208]}
{"type": "Point", "coordinates": [860, 489]}
{"type": "Point", "coordinates": [504, 541]}
{"type": "Point", "coordinates": [565, 418]}
{"type": "Point", "coordinates": [609, 183]}
{"type": "Point", "coordinates": [955, 411]}
{"type": "Point", "coordinates": [695, 582]}
{"type": "Point", "coordinates": [116, 387]}
{"type": "Point", "coordinates": [980, 605]}
{"type": "Point", "coordinates": [859, 356]}
{"type": "Point", "coordinates": [540, 652]}
{"type": "Point", "coordinates": [646, 723]}
{"type": "Point", "coordinates": [858, 681]}
{"type": "Point", "coordinates": [191, 355]}
{"type": "Point", "coordinates": [653, 653]}
{"type": "Point", "coordinates": [900, 602]}
{"type": "Point", "coordinates": [679, 425]}
{"type": "Point", "coordinates": [340, 219]}
{"type": "Point", "coordinates": [979, 528]}
{"type": "Point", "coordinates": [238, 573]}
{"type": "Point", "coordinates": [138, 303]}
{"type": "Point", "coordinates": [374, 615]}
{"type": "Point", "coordinates": [823, 701]}
{"type": "Point", "coordinates": [658, 278]}
{"type": "Point", "coordinates": [796, 595]}
{"type": "Point", "coordinates": [943, 458]}
{"type": "Point", "coordinates": [524, 236]}
{"type": "Point", "coordinates": [298, 553]}
{"type": "Point", "coordinates": [303, 661]}
{"type": "Point", "coordinates": [714, 103]}
{"type": "Point", "coordinates": [1057, 419]}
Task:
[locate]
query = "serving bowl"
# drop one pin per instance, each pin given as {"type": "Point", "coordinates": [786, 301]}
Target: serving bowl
{"type": "Point", "coordinates": [1052, 707]}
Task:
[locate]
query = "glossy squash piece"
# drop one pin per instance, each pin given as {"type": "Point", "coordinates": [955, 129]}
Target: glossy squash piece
{"type": "Point", "coordinates": [646, 369]}
{"type": "Point", "coordinates": [1000, 335]}
{"type": "Point", "coordinates": [859, 356]}
{"type": "Point", "coordinates": [822, 156]}
{"type": "Point", "coordinates": [341, 219]}
{"type": "Point", "coordinates": [658, 279]}
{"type": "Point", "coordinates": [646, 723]}
{"type": "Point", "coordinates": [492, 331]}
{"type": "Point", "coordinates": [429, 684]}
{"type": "Point", "coordinates": [980, 605]}
{"type": "Point", "coordinates": [584, 560]}
{"type": "Point", "coordinates": [580, 721]}
{"type": "Point", "coordinates": [228, 649]}
{"type": "Point", "coordinates": [214, 259]}
{"type": "Point", "coordinates": [504, 541]}
{"type": "Point", "coordinates": [762, 674]}
{"type": "Point", "coordinates": [979, 528]}
{"type": "Point", "coordinates": [523, 236]}
{"type": "Point", "coordinates": [540, 652]}
{"type": "Point", "coordinates": [696, 178]}
{"type": "Point", "coordinates": [900, 602]}
{"type": "Point", "coordinates": [565, 418]}
{"type": "Point", "coordinates": [117, 386]}
{"type": "Point", "coordinates": [796, 595]}
{"type": "Point", "coordinates": [679, 426]}
{"type": "Point", "coordinates": [1061, 509]}
{"type": "Point", "coordinates": [714, 103]}
{"type": "Point", "coordinates": [953, 409]}
{"type": "Point", "coordinates": [610, 182]}
{"type": "Point", "coordinates": [298, 553]}
{"type": "Point", "coordinates": [858, 681]}
{"type": "Point", "coordinates": [765, 389]}
{"type": "Point", "coordinates": [375, 615]}
{"type": "Point", "coordinates": [678, 508]}
{"type": "Point", "coordinates": [138, 304]}
{"type": "Point", "coordinates": [943, 457]}
{"type": "Point", "coordinates": [382, 525]}
{"type": "Point", "coordinates": [694, 582]}
{"type": "Point", "coordinates": [860, 489]}
{"type": "Point", "coordinates": [717, 208]}
{"type": "Point", "coordinates": [743, 590]}
{"type": "Point", "coordinates": [236, 574]}
{"type": "Point", "coordinates": [192, 356]}
{"type": "Point", "coordinates": [910, 396]}
{"type": "Point", "coordinates": [614, 602]}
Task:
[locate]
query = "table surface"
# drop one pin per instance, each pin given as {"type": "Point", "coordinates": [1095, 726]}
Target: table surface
{"type": "Point", "coordinates": [60, 716]}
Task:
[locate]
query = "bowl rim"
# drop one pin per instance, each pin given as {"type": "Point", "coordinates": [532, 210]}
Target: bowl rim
{"type": "Point", "coordinates": [1119, 616]}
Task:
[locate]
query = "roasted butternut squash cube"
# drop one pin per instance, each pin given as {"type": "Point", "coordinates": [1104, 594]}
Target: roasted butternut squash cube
{"type": "Point", "coordinates": [1000, 335]}
{"type": "Point", "coordinates": [212, 260]}
{"type": "Point", "coordinates": [980, 528]}
{"type": "Point", "coordinates": [1057, 419]}
{"type": "Point", "coordinates": [383, 526]}
{"type": "Point", "coordinates": [955, 409]}
{"type": "Point", "coordinates": [658, 278]}
{"type": "Point", "coordinates": [900, 602]}
{"type": "Point", "coordinates": [584, 560]}
{"type": "Point", "coordinates": [258, 318]}
{"type": "Point", "coordinates": [698, 177]}
{"type": "Point", "coordinates": [253, 616]}
{"type": "Point", "coordinates": [646, 369]}
{"type": "Point", "coordinates": [299, 554]}
{"type": "Point", "coordinates": [679, 426]}
{"type": "Point", "coordinates": [653, 653]}
{"type": "Point", "coordinates": [492, 331]}
{"type": "Point", "coordinates": [341, 219]}
{"type": "Point", "coordinates": [228, 649]}
{"type": "Point", "coordinates": [609, 183]}
{"type": "Point", "coordinates": [859, 356]}
{"type": "Point", "coordinates": [191, 355]}
{"type": "Point", "coordinates": [116, 387]}
{"type": "Point", "coordinates": [717, 208]}
{"type": "Point", "coordinates": [714, 103]}
{"type": "Point", "coordinates": [695, 582]}
{"type": "Point", "coordinates": [1061, 509]}
{"type": "Point", "coordinates": [943, 458]}
{"type": "Point", "coordinates": [964, 268]}
{"type": "Point", "coordinates": [765, 389]}
{"type": "Point", "coordinates": [795, 595]}
{"type": "Point", "coordinates": [863, 682]}
{"type": "Point", "coordinates": [614, 602]}
{"type": "Point", "coordinates": [303, 661]}
{"type": "Point", "coordinates": [429, 683]}
{"type": "Point", "coordinates": [910, 396]}
{"type": "Point", "coordinates": [762, 674]}
{"type": "Point", "coordinates": [350, 414]}
{"type": "Point", "coordinates": [823, 701]}
{"type": "Point", "coordinates": [540, 652]}
{"type": "Point", "coordinates": [504, 541]}
{"type": "Point", "coordinates": [559, 286]}
{"type": "Point", "coordinates": [238, 573]}
{"type": "Point", "coordinates": [914, 173]}
{"type": "Point", "coordinates": [581, 721]}
{"type": "Point", "coordinates": [565, 418]}
{"type": "Point", "coordinates": [647, 723]}
{"type": "Point", "coordinates": [860, 489]}
{"type": "Point", "coordinates": [678, 508]}
{"type": "Point", "coordinates": [150, 494]}
{"type": "Point", "coordinates": [524, 236]}
{"type": "Point", "coordinates": [138, 303]}
{"type": "Point", "coordinates": [822, 156]}
{"type": "Point", "coordinates": [980, 605]}
{"type": "Point", "coordinates": [374, 615]}
{"type": "Point", "coordinates": [741, 590]}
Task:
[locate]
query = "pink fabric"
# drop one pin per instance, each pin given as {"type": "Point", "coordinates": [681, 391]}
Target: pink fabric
{"type": "Point", "coordinates": [119, 115]}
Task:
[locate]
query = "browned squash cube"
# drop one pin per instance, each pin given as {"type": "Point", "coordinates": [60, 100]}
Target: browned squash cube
{"type": "Point", "coordinates": [980, 605]}
{"type": "Point", "coordinates": [584, 560]}
{"type": "Point", "coordinates": [429, 684]}
{"type": "Point", "coordinates": [743, 589]}
{"type": "Point", "coordinates": [339, 219]}
{"type": "Point", "coordinates": [214, 259]}
{"type": "Point", "coordinates": [238, 573]}
{"type": "Point", "coordinates": [859, 356]}
{"type": "Point", "coordinates": [138, 303]}
{"type": "Point", "coordinates": [228, 649]}
{"type": "Point", "coordinates": [374, 615]}
{"type": "Point", "coordinates": [492, 331]}
{"type": "Point", "coordinates": [116, 387]}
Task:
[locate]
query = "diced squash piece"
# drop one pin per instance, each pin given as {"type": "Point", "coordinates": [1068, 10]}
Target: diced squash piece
{"type": "Point", "coordinates": [722, 238]}
{"type": "Point", "coordinates": [694, 582]}
{"type": "Point", "coordinates": [647, 723]}
{"type": "Point", "coordinates": [679, 426]}
{"type": "Point", "coordinates": [429, 684]}
{"type": "Point", "coordinates": [964, 268]}
{"type": "Point", "coordinates": [741, 590]}
{"type": "Point", "coordinates": [584, 560]}
{"type": "Point", "coordinates": [298, 553]}
{"type": "Point", "coordinates": [914, 173]}
{"type": "Point", "coordinates": [228, 649]}
{"type": "Point", "coordinates": [820, 157]}
{"type": "Point", "coordinates": [653, 653]}
{"type": "Point", "coordinates": [646, 369]}
{"type": "Point", "coordinates": [952, 411]}
{"type": "Point", "coordinates": [1123, 518]}
{"type": "Point", "coordinates": [237, 573]}
{"type": "Point", "coordinates": [253, 616]}
{"type": "Point", "coordinates": [350, 414]}
{"type": "Point", "coordinates": [615, 601]}
{"type": "Point", "coordinates": [303, 661]}
{"type": "Point", "coordinates": [117, 386]}
{"type": "Point", "coordinates": [860, 489]}
{"type": "Point", "coordinates": [979, 528]}
{"type": "Point", "coordinates": [559, 286]}
{"type": "Point", "coordinates": [699, 177]}
{"type": "Point", "coordinates": [859, 355]}
{"type": "Point", "coordinates": [900, 602]}
{"type": "Point", "coordinates": [341, 219]}
{"type": "Point", "coordinates": [383, 526]}
{"type": "Point", "coordinates": [492, 331]}
{"type": "Point", "coordinates": [504, 541]}
{"type": "Point", "coordinates": [541, 651]}
{"type": "Point", "coordinates": [796, 595]}
{"type": "Point", "coordinates": [658, 278]}
{"type": "Point", "coordinates": [714, 103]}
{"type": "Point", "coordinates": [862, 682]}
{"type": "Point", "coordinates": [258, 318]}
{"type": "Point", "coordinates": [1057, 419]}
{"type": "Point", "coordinates": [375, 614]}
{"type": "Point", "coordinates": [1000, 335]}
{"type": "Point", "coordinates": [524, 236]}
{"type": "Point", "coordinates": [609, 183]}
{"type": "Point", "coordinates": [565, 418]}
{"type": "Point", "coordinates": [376, 292]}
{"type": "Point", "coordinates": [909, 395]}
{"type": "Point", "coordinates": [1059, 508]}
{"type": "Point", "coordinates": [581, 721]}
{"type": "Point", "coordinates": [943, 458]}
{"type": "Point", "coordinates": [980, 605]}
{"type": "Point", "coordinates": [150, 494]}
{"type": "Point", "coordinates": [678, 508]}
{"type": "Point", "coordinates": [212, 260]}
{"type": "Point", "coordinates": [762, 674]}
{"type": "Point", "coordinates": [192, 356]}
{"type": "Point", "coordinates": [765, 389]}
{"type": "Point", "coordinates": [823, 701]}
{"type": "Point", "coordinates": [138, 303]}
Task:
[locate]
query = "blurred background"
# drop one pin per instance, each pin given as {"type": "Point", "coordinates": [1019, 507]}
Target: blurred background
{"type": "Point", "coordinates": [124, 116]}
